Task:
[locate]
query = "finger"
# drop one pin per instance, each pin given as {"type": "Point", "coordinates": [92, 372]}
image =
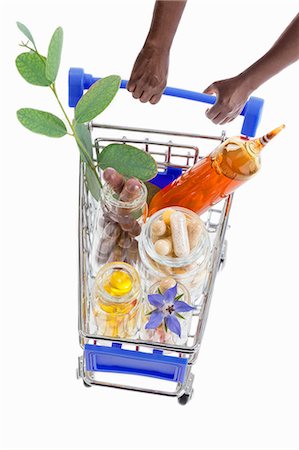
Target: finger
{"type": "Point", "coordinates": [146, 96]}
{"type": "Point", "coordinates": [155, 99]}
{"type": "Point", "coordinates": [222, 116]}
{"type": "Point", "coordinates": [234, 115]}
{"type": "Point", "coordinates": [224, 121]}
{"type": "Point", "coordinates": [213, 112]}
{"type": "Point", "coordinates": [215, 118]}
{"type": "Point", "coordinates": [138, 91]}
{"type": "Point", "coordinates": [230, 120]}
{"type": "Point", "coordinates": [210, 89]}
{"type": "Point", "coordinates": [131, 85]}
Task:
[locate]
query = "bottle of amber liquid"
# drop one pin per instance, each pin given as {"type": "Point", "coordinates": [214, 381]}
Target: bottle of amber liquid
{"type": "Point", "coordinates": [232, 163]}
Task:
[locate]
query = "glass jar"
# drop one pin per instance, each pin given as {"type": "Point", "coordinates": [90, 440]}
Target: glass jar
{"type": "Point", "coordinates": [116, 300]}
{"type": "Point", "coordinates": [161, 334]}
{"type": "Point", "coordinates": [117, 225]}
{"type": "Point", "coordinates": [190, 270]}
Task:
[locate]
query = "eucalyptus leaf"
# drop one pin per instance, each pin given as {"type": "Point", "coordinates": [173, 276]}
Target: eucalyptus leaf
{"type": "Point", "coordinates": [54, 54]}
{"type": "Point", "coordinates": [128, 161]}
{"type": "Point", "coordinates": [32, 67]}
{"type": "Point", "coordinates": [97, 98]}
{"type": "Point", "coordinates": [26, 32]}
{"type": "Point", "coordinates": [92, 183]}
{"type": "Point", "coordinates": [83, 134]}
{"type": "Point", "coordinates": [41, 122]}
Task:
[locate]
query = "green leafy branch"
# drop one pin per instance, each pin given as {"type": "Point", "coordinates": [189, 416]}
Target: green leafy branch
{"type": "Point", "coordinates": [39, 70]}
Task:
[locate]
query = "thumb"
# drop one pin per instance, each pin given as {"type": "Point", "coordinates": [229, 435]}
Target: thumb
{"type": "Point", "coordinates": [212, 89]}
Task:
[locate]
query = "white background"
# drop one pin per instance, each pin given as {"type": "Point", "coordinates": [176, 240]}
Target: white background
{"type": "Point", "coordinates": [245, 383]}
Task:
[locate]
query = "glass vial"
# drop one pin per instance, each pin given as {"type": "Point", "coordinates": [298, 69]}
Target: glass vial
{"type": "Point", "coordinates": [116, 300]}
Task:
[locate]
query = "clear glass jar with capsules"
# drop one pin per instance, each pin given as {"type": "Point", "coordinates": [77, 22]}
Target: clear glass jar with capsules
{"type": "Point", "coordinates": [116, 300]}
{"type": "Point", "coordinates": [175, 243]}
{"type": "Point", "coordinates": [117, 225]}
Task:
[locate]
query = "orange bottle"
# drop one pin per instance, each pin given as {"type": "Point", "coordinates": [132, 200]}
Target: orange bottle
{"type": "Point", "coordinates": [232, 163]}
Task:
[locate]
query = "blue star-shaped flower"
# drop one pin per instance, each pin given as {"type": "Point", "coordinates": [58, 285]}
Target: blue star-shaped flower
{"type": "Point", "coordinates": [167, 305]}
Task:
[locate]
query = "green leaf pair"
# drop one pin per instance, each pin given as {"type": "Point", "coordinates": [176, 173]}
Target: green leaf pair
{"type": "Point", "coordinates": [39, 70]}
{"type": "Point", "coordinates": [35, 68]}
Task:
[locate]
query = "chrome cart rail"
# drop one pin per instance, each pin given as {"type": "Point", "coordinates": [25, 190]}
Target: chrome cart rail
{"type": "Point", "coordinates": [167, 153]}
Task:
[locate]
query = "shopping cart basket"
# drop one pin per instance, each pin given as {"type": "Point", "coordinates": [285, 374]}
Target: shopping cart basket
{"type": "Point", "coordinates": [135, 364]}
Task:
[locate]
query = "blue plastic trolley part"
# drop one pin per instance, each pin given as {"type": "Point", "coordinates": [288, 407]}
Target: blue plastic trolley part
{"type": "Point", "coordinates": [118, 360]}
{"type": "Point", "coordinates": [166, 177]}
{"type": "Point", "coordinates": [252, 111]}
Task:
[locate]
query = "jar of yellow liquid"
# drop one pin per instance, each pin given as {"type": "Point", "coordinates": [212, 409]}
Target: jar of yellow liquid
{"type": "Point", "coordinates": [116, 300]}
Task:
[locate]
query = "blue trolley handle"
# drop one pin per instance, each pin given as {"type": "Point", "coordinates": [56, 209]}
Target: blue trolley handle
{"type": "Point", "coordinates": [116, 359]}
{"type": "Point", "coordinates": [252, 111]}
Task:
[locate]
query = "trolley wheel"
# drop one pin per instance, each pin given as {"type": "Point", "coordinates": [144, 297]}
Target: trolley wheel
{"type": "Point", "coordinates": [185, 398]}
{"type": "Point", "coordinates": [86, 384]}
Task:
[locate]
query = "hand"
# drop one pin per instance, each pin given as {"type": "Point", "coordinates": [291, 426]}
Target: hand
{"type": "Point", "coordinates": [232, 95]}
{"type": "Point", "coordinates": [149, 75]}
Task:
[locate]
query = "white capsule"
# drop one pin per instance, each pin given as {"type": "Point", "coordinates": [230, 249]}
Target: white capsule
{"type": "Point", "coordinates": [166, 283]}
{"type": "Point", "coordinates": [178, 226]}
{"type": "Point", "coordinates": [158, 228]}
{"type": "Point", "coordinates": [194, 230]}
{"type": "Point", "coordinates": [163, 246]}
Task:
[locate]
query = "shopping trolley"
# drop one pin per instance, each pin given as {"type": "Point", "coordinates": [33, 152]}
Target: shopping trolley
{"type": "Point", "coordinates": [135, 364]}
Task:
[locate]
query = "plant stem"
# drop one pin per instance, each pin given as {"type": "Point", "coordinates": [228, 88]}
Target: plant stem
{"type": "Point", "coordinates": [53, 89]}
{"type": "Point", "coordinates": [78, 140]}
{"type": "Point", "coordinates": [34, 50]}
{"type": "Point", "coordinates": [29, 48]}
{"type": "Point", "coordinates": [26, 45]}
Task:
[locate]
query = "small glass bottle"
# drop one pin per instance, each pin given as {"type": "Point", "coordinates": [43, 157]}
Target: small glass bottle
{"type": "Point", "coordinates": [116, 300]}
{"type": "Point", "coordinates": [191, 269]}
{"type": "Point", "coordinates": [233, 162]}
{"type": "Point", "coordinates": [161, 333]}
{"type": "Point", "coordinates": [117, 225]}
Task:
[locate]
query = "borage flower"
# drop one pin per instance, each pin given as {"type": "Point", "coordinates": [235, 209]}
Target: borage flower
{"type": "Point", "coordinates": [168, 306]}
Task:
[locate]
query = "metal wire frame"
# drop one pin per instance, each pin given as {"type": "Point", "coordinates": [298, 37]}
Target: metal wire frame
{"type": "Point", "coordinates": [86, 215]}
